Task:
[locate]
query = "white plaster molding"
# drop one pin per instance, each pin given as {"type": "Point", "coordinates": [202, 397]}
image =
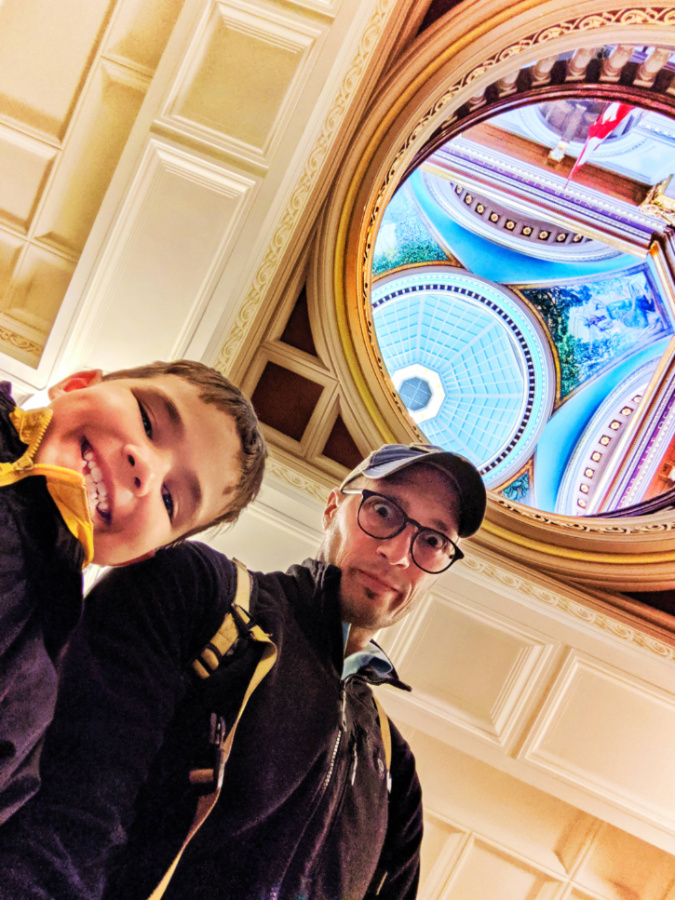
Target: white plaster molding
{"type": "Point", "coordinates": [586, 684]}
{"type": "Point", "coordinates": [267, 26]}
{"type": "Point", "coordinates": [311, 172]}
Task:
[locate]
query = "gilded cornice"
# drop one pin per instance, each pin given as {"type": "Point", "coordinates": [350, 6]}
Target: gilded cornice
{"type": "Point", "coordinates": [294, 479]}
{"type": "Point", "coordinates": [581, 612]}
{"type": "Point", "coordinates": [14, 339]}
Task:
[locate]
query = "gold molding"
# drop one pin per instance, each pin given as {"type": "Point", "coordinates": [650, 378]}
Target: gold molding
{"type": "Point", "coordinates": [14, 339]}
{"type": "Point", "coordinates": [582, 525]}
{"type": "Point", "coordinates": [573, 608]}
{"type": "Point", "coordinates": [294, 479]}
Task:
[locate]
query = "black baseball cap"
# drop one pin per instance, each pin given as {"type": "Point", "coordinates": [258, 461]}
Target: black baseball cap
{"type": "Point", "coordinates": [463, 474]}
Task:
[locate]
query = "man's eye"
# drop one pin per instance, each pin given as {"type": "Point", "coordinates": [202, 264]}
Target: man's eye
{"type": "Point", "coordinates": [432, 539]}
{"type": "Point", "coordinates": [383, 509]}
{"type": "Point", "coordinates": [167, 499]}
{"type": "Point", "coordinates": [145, 419]}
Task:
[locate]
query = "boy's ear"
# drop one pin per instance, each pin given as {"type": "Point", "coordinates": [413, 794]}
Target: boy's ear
{"type": "Point", "coordinates": [75, 382]}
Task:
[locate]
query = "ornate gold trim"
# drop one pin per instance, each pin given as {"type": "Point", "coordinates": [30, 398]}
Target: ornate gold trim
{"type": "Point", "coordinates": [294, 479]}
{"type": "Point", "coordinates": [20, 342]}
{"type": "Point", "coordinates": [587, 526]}
{"type": "Point", "coordinates": [658, 204]}
{"type": "Point", "coordinates": [573, 608]}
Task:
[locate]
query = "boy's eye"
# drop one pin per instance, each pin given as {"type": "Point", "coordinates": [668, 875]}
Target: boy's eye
{"type": "Point", "coordinates": [145, 419]}
{"type": "Point", "coordinates": [167, 499]}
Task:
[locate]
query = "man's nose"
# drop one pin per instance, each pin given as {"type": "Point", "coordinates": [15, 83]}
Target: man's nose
{"type": "Point", "coordinates": [143, 469]}
{"type": "Point", "coordinates": [396, 550]}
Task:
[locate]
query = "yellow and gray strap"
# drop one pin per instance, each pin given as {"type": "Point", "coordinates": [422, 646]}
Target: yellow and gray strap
{"type": "Point", "coordinates": [385, 730]}
{"type": "Point", "coordinates": [386, 738]}
{"type": "Point", "coordinates": [205, 664]}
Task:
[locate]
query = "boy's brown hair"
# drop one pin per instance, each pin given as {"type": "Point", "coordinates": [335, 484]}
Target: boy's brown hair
{"type": "Point", "coordinates": [219, 391]}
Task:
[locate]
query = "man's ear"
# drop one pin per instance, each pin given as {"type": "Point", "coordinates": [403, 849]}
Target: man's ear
{"type": "Point", "coordinates": [75, 382]}
{"type": "Point", "coordinates": [334, 500]}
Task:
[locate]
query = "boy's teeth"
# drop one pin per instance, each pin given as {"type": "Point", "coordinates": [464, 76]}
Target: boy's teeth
{"type": "Point", "coordinates": [97, 493]}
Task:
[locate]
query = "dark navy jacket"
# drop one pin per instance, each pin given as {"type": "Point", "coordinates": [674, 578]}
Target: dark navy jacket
{"type": "Point", "coordinates": [304, 811]}
{"type": "Point", "coordinates": [40, 602]}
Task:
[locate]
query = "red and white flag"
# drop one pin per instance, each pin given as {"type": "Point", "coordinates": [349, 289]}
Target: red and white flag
{"type": "Point", "coordinates": [611, 116]}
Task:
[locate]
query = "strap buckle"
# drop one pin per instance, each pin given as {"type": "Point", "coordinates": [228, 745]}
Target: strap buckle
{"type": "Point", "coordinates": [214, 777]}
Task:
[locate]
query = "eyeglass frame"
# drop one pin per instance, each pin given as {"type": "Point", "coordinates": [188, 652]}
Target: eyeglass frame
{"type": "Point", "coordinates": [366, 494]}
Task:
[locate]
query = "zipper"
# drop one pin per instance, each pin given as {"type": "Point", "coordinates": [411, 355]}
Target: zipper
{"type": "Point", "coordinates": [338, 740]}
{"type": "Point", "coordinates": [26, 421]}
{"type": "Point", "coordinates": [355, 762]}
{"type": "Point", "coordinates": [331, 767]}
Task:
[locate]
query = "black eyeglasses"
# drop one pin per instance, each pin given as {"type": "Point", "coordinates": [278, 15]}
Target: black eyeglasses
{"type": "Point", "coordinates": [382, 518]}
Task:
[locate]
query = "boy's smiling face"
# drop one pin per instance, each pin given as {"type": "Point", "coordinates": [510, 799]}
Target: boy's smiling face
{"type": "Point", "coordinates": [158, 462]}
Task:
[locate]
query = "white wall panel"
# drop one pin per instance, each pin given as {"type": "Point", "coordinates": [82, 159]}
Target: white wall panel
{"type": "Point", "coordinates": [472, 668]}
{"type": "Point", "coordinates": [609, 733]}
{"type": "Point", "coordinates": [242, 78]}
{"type": "Point", "coordinates": [169, 238]}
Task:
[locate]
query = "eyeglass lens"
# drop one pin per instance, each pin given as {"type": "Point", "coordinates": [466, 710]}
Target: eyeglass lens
{"type": "Point", "coordinates": [381, 518]}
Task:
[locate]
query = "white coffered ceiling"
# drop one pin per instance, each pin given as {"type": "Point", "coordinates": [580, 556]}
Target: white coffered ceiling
{"type": "Point", "coordinates": [162, 167]}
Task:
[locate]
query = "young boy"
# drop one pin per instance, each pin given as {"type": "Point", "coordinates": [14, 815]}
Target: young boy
{"type": "Point", "coordinates": [127, 463]}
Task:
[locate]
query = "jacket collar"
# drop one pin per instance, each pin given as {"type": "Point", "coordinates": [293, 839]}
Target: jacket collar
{"type": "Point", "coordinates": [65, 486]}
{"type": "Point", "coordinates": [327, 586]}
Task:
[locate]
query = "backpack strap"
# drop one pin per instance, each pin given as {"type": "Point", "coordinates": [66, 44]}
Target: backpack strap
{"type": "Point", "coordinates": [386, 738]}
{"type": "Point", "coordinates": [385, 731]}
{"type": "Point", "coordinates": [228, 634]}
{"type": "Point", "coordinates": [204, 665]}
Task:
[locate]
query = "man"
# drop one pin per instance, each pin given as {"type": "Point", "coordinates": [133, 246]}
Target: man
{"type": "Point", "coordinates": [309, 808]}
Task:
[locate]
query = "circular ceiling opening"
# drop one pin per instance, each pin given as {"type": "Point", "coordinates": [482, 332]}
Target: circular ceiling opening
{"type": "Point", "coordinates": [522, 264]}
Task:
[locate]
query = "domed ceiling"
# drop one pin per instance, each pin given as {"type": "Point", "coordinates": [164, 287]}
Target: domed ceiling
{"type": "Point", "coordinates": [520, 312]}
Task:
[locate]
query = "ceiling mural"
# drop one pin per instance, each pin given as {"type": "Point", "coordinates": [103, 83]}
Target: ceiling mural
{"type": "Point", "coordinates": [595, 322]}
{"type": "Point", "coordinates": [545, 216]}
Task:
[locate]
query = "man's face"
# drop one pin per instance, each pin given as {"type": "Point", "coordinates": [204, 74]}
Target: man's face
{"type": "Point", "coordinates": [157, 461]}
{"type": "Point", "coordinates": [380, 581]}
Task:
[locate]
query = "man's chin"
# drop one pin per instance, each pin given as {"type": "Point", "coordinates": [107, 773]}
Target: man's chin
{"type": "Point", "coordinates": [361, 612]}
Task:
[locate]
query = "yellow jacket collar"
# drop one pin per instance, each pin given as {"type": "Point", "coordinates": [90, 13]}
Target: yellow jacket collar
{"type": "Point", "coordinates": [65, 486]}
